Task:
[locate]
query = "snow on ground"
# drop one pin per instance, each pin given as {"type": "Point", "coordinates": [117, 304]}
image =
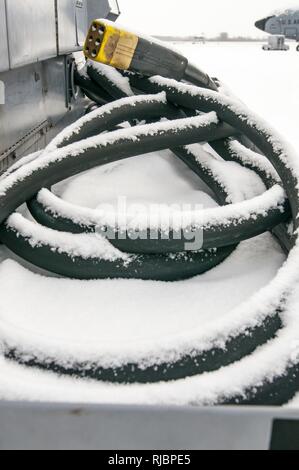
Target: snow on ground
{"type": "Point", "coordinates": [127, 311]}
{"type": "Point", "coordinates": [265, 81]}
{"type": "Point", "coordinates": [157, 178]}
{"type": "Point", "coordinates": [120, 312]}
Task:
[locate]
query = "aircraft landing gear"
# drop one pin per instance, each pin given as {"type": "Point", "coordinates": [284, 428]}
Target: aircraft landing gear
{"type": "Point", "coordinates": [297, 48]}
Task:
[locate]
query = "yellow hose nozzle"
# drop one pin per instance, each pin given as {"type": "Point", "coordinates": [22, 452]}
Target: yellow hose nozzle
{"type": "Point", "coordinates": [110, 45]}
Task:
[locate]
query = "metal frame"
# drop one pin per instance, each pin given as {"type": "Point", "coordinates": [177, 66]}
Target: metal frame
{"type": "Point", "coordinates": [4, 56]}
{"type": "Point", "coordinates": [94, 427]}
{"type": "Point", "coordinates": [31, 31]}
{"type": "Point", "coordinates": [37, 45]}
{"type": "Point", "coordinates": [46, 99]}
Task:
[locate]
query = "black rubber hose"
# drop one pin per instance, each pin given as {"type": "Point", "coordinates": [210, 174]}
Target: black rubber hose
{"type": "Point", "coordinates": [220, 234]}
{"type": "Point", "coordinates": [147, 267]}
{"type": "Point", "coordinates": [281, 233]}
{"type": "Point", "coordinates": [104, 83]}
{"type": "Point", "coordinates": [230, 232]}
{"type": "Point", "coordinates": [113, 116]}
{"type": "Point", "coordinates": [236, 347]}
{"type": "Point", "coordinates": [91, 89]}
{"type": "Point", "coordinates": [207, 103]}
{"type": "Point", "coordinates": [118, 148]}
{"type": "Point", "coordinates": [189, 364]}
{"type": "Point", "coordinates": [76, 156]}
{"type": "Point", "coordinates": [199, 78]}
{"type": "Point", "coordinates": [160, 267]}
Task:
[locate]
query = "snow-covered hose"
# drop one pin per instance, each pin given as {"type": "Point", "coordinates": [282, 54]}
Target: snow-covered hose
{"type": "Point", "coordinates": [238, 222]}
{"type": "Point", "coordinates": [221, 228]}
{"type": "Point", "coordinates": [112, 82]}
{"type": "Point", "coordinates": [90, 88]}
{"type": "Point", "coordinates": [53, 250]}
{"type": "Point", "coordinates": [232, 150]}
{"type": "Point", "coordinates": [91, 255]}
{"type": "Point", "coordinates": [109, 80]}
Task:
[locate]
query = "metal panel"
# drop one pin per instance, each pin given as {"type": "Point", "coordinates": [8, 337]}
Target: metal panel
{"type": "Point", "coordinates": [291, 32]}
{"type": "Point", "coordinates": [81, 21]}
{"type": "Point", "coordinates": [23, 109]}
{"type": "Point", "coordinates": [4, 60]}
{"type": "Point", "coordinates": [31, 31]}
{"type": "Point", "coordinates": [86, 427]}
{"type": "Point", "coordinates": [35, 109]}
{"type": "Point", "coordinates": [98, 9]}
{"type": "Point", "coordinates": [114, 10]}
{"type": "Point", "coordinates": [67, 34]}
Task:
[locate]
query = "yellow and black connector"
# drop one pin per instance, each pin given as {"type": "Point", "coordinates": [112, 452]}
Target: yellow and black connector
{"type": "Point", "coordinates": [124, 50]}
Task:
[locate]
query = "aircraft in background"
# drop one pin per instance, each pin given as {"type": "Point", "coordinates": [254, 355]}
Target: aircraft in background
{"type": "Point", "coordinates": [282, 23]}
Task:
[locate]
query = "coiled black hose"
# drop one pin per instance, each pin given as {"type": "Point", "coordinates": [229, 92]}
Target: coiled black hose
{"type": "Point", "coordinates": [59, 243]}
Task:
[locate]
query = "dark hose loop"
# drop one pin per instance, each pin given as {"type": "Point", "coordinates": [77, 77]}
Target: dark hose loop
{"type": "Point", "coordinates": [166, 260]}
{"type": "Point", "coordinates": [208, 101]}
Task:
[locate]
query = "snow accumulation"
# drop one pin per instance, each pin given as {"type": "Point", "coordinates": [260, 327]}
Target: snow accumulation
{"type": "Point", "coordinates": [20, 163]}
{"type": "Point", "coordinates": [113, 75]}
{"type": "Point", "coordinates": [85, 332]}
{"type": "Point", "coordinates": [135, 219]}
{"type": "Point", "coordinates": [245, 189]}
{"type": "Point", "coordinates": [90, 324]}
{"type": "Point", "coordinates": [84, 245]}
{"type": "Point", "coordinates": [101, 112]}
{"type": "Point", "coordinates": [288, 155]}
{"type": "Point", "coordinates": [232, 177]}
{"type": "Point", "coordinates": [118, 320]}
{"type": "Point", "coordinates": [103, 140]}
{"type": "Point", "coordinates": [259, 162]}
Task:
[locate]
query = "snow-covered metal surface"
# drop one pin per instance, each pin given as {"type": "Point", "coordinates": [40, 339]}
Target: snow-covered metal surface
{"type": "Point", "coordinates": [73, 427]}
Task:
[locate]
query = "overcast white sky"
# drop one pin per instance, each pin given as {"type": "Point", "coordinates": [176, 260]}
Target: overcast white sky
{"type": "Point", "coordinates": [184, 17]}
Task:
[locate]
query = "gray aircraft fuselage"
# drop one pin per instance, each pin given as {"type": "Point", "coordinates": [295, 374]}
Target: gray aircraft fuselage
{"type": "Point", "coordinates": [286, 23]}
